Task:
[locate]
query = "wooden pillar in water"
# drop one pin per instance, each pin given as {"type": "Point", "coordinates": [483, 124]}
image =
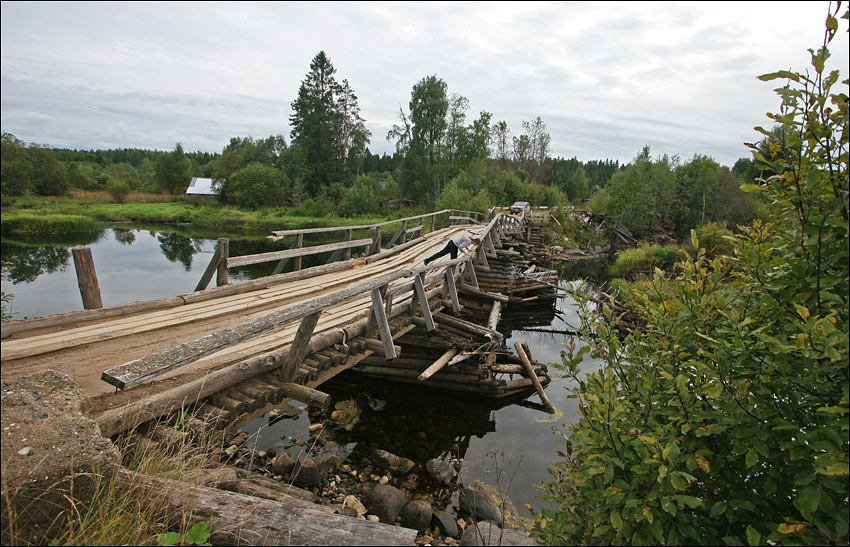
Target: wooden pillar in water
{"type": "Point", "coordinates": [87, 278]}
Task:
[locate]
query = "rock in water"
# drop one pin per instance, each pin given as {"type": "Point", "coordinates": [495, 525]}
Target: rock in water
{"type": "Point", "coordinates": [417, 515]}
{"type": "Point", "coordinates": [386, 502]}
{"type": "Point", "coordinates": [480, 504]}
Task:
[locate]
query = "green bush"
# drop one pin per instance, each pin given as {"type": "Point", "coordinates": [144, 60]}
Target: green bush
{"type": "Point", "coordinates": [724, 420]}
{"type": "Point", "coordinates": [642, 258]}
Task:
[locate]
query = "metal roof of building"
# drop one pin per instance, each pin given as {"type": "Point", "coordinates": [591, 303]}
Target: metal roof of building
{"type": "Point", "coordinates": [203, 186]}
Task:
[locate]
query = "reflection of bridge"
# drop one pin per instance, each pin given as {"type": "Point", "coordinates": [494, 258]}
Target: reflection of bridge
{"type": "Point", "coordinates": [306, 325]}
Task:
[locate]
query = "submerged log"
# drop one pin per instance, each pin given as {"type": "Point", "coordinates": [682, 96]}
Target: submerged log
{"type": "Point", "coordinates": [520, 349]}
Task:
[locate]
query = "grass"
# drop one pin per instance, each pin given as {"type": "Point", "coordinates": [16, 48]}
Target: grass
{"type": "Point", "coordinates": [39, 225]}
{"type": "Point", "coordinates": [167, 209]}
{"type": "Point", "coordinates": [643, 258]}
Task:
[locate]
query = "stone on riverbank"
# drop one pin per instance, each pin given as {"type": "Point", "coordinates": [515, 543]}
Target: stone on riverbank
{"type": "Point", "coordinates": [51, 453]}
{"type": "Point", "coordinates": [386, 502]}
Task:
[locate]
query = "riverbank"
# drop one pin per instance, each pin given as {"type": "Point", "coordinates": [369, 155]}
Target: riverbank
{"type": "Point", "coordinates": [21, 215]}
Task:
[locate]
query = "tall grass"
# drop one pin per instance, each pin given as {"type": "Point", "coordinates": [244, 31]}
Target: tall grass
{"type": "Point", "coordinates": [643, 258]}
{"type": "Point", "coordinates": [32, 225]}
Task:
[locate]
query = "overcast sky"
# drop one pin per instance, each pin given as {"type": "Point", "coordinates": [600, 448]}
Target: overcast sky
{"type": "Point", "coordinates": [606, 78]}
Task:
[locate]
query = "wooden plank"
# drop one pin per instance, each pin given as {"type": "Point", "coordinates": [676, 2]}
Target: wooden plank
{"type": "Point", "coordinates": [299, 346]}
{"type": "Point", "coordinates": [438, 364]}
{"type": "Point", "coordinates": [239, 519]}
{"type": "Point", "coordinates": [278, 255]}
{"type": "Point", "coordinates": [87, 278]}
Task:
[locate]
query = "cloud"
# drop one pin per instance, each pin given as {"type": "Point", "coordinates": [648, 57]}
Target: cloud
{"type": "Point", "coordinates": [606, 78]}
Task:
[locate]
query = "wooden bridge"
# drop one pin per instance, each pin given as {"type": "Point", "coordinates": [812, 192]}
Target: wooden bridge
{"type": "Point", "coordinates": [242, 345]}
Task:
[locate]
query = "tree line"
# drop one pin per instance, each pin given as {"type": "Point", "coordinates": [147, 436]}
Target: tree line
{"type": "Point", "coordinates": [443, 158]}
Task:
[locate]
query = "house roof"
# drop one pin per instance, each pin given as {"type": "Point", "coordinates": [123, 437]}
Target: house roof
{"type": "Point", "coordinates": [203, 186]}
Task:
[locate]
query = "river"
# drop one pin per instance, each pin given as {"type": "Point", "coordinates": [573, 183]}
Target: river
{"type": "Point", "coordinates": [506, 446]}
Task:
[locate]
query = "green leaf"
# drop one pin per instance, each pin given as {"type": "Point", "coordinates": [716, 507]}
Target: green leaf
{"type": "Point", "coordinates": [678, 481]}
{"type": "Point", "coordinates": [717, 509]}
{"type": "Point", "coordinates": [753, 536]}
{"type": "Point", "coordinates": [616, 520]}
{"type": "Point", "coordinates": [669, 506]}
{"type": "Point", "coordinates": [808, 499]}
{"type": "Point", "coordinates": [691, 501]}
{"type": "Point", "coordinates": [752, 457]}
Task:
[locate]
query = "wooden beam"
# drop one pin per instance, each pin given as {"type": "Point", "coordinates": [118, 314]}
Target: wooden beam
{"type": "Point", "coordinates": [87, 278]}
{"type": "Point", "coordinates": [299, 347]}
{"type": "Point", "coordinates": [308, 395]}
{"type": "Point", "coordinates": [383, 325]}
{"type": "Point", "coordinates": [450, 285]}
{"type": "Point", "coordinates": [470, 272]}
{"type": "Point", "coordinates": [533, 376]}
{"type": "Point", "coordinates": [278, 255]}
{"type": "Point", "coordinates": [422, 299]}
{"type": "Point", "coordinates": [222, 278]}
{"type": "Point", "coordinates": [212, 267]}
{"type": "Point", "coordinates": [376, 242]}
{"type": "Point", "coordinates": [438, 364]}
{"type": "Point", "coordinates": [493, 320]}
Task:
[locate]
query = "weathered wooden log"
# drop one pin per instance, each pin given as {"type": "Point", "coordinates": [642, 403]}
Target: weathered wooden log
{"type": "Point", "coordinates": [378, 347]}
{"type": "Point", "coordinates": [472, 291]}
{"type": "Point", "coordinates": [237, 519]}
{"type": "Point", "coordinates": [87, 278]}
{"type": "Point", "coordinates": [493, 320]}
{"type": "Point", "coordinates": [516, 369]}
{"type": "Point", "coordinates": [467, 326]}
{"type": "Point", "coordinates": [520, 349]}
{"type": "Point", "coordinates": [308, 395]}
{"type": "Point", "coordinates": [438, 364]}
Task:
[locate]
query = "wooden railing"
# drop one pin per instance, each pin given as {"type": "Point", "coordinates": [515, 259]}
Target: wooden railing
{"type": "Point", "coordinates": [221, 261]}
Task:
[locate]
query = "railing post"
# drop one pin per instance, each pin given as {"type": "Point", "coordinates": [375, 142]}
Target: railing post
{"type": "Point", "coordinates": [221, 277]}
{"type": "Point", "coordinates": [421, 296]}
{"type": "Point", "coordinates": [299, 242]}
{"type": "Point", "coordinates": [376, 241]}
{"type": "Point", "coordinates": [87, 278]}
{"type": "Point", "coordinates": [450, 284]}
{"type": "Point", "coordinates": [470, 271]}
{"type": "Point", "coordinates": [379, 313]}
{"type": "Point", "coordinates": [433, 218]}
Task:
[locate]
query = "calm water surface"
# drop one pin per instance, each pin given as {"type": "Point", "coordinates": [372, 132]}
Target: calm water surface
{"type": "Point", "coordinates": [509, 446]}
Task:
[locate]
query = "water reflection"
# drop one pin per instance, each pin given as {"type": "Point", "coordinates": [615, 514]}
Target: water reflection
{"type": "Point", "coordinates": [25, 264]}
{"type": "Point", "coordinates": [131, 263]}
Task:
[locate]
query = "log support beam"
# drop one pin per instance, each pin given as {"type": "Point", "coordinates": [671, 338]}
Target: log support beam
{"type": "Point", "coordinates": [298, 350]}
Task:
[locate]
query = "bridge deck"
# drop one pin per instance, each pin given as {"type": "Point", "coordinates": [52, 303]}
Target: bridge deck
{"type": "Point", "coordinates": [84, 351]}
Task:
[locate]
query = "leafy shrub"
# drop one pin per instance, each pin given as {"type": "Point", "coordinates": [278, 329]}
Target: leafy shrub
{"type": "Point", "coordinates": [724, 421]}
{"type": "Point", "coordinates": [642, 258]}
{"type": "Point", "coordinates": [715, 238]}
{"type": "Point", "coordinates": [118, 189]}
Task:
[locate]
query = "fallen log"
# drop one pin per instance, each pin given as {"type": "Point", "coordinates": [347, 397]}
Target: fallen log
{"type": "Point", "coordinates": [438, 364]}
{"type": "Point", "coordinates": [237, 519]}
